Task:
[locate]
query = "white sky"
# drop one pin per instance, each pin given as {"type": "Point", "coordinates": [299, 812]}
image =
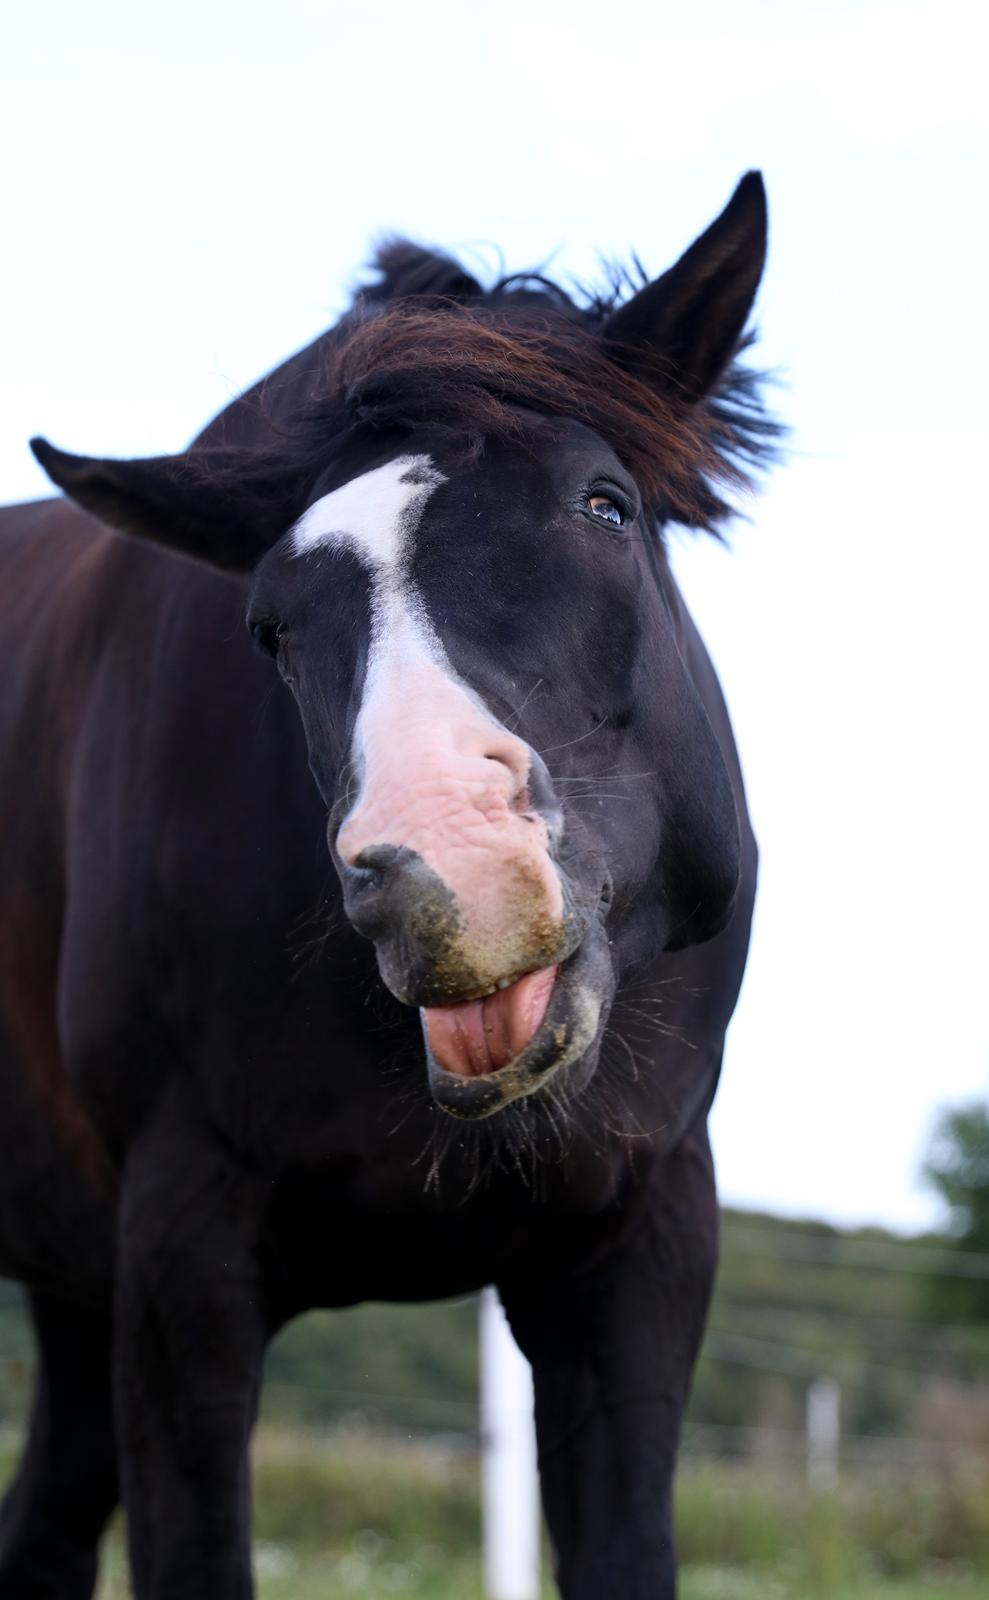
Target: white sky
{"type": "Point", "coordinates": [187, 193]}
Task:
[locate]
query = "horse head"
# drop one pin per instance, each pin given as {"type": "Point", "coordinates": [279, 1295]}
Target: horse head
{"type": "Point", "coordinates": [453, 556]}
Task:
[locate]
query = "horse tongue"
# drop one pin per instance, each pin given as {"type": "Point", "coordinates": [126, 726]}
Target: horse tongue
{"type": "Point", "coordinates": [479, 1036]}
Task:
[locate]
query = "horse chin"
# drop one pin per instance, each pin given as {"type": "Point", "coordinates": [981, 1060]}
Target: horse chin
{"type": "Point", "coordinates": [563, 1049]}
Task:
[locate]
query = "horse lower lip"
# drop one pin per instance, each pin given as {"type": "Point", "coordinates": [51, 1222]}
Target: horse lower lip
{"type": "Point", "coordinates": [477, 1037]}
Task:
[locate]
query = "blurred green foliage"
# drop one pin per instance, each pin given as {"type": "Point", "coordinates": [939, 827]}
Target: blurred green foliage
{"type": "Point", "coordinates": [957, 1167]}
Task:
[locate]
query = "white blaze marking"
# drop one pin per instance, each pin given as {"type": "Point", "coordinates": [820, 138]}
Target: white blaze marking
{"type": "Point", "coordinates": [439, 774]}
{"type": "Point", "coordinates": [375, 516]}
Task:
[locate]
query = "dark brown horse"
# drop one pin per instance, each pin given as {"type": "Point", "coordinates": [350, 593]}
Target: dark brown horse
{"type": "Point", "coordinates": [478, 1045]}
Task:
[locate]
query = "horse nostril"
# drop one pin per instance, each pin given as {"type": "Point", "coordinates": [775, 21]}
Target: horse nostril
{"type": "Point", "coordinates": [513, 755]}
{"type": "Point", "coordinates": [372, 865]}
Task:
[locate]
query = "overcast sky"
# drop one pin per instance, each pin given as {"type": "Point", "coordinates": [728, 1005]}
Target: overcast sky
{"type": "Point", "coordinates": [187, 195]}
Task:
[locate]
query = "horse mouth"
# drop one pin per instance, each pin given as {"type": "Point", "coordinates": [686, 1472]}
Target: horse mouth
{"type": "Point", "coordinates": [484, 1053]}
{"type": "Point", "coordinates": [476, 1037]}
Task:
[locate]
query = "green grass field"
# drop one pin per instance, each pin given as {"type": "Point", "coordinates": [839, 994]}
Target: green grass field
{"type": "Point", "coordinates": [351, 1514]}
{"type": "Point", "coordinates": [372, 1574]}
{"type": "Point", "coordinates": [357, 1515]}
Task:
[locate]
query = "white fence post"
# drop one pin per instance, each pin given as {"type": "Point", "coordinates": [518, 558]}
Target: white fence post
{"type": "Point", "coordinates": [823, 1432]}
{"type": "Point", "coordinates": [510, 1489]}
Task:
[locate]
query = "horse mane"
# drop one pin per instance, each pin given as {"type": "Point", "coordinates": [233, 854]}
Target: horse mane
{"type": "Point", "coordinates": [426, 344]}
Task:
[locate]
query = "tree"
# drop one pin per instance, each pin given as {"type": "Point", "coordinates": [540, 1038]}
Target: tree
{"type": "Point", "coordinates": [957, 1167]}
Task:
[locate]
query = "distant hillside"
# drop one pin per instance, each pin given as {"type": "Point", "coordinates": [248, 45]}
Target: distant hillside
{"type": "Point", "coordinates": [796, 1300]}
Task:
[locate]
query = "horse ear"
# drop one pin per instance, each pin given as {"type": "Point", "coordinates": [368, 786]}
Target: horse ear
{"type": "Point", "coordinates": [681, 330]}
{"type": "Point", "coordinates": [225, 506]}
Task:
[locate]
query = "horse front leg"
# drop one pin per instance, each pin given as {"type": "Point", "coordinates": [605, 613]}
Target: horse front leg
{"type": "Point", "coordinates": [190, 1338]}
{"type": "Point", "coordinates": [55, 1511]}
{"type": "Point", "coordinates": [612, 1347]}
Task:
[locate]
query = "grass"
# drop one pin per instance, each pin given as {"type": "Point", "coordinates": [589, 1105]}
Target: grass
{"type": "Point", "coordinates": [353, 1514]}
{"type": "Point", "coordinates": [370, 1570]}
{"type": "Point", "coordinates": [734, 1583]}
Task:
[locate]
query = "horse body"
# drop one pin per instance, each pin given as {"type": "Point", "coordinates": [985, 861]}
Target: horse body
{"type": "Point", "coordinates": [215, 1112]}
{"type": "Point", "coordinates": [291, 1075]}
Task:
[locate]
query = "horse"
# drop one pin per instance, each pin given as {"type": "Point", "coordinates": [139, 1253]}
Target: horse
{"type": "Point", "coordinates": [384, 947]}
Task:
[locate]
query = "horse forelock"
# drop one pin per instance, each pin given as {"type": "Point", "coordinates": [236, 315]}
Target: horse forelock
{"type": "Point", "coordinates": [427, 346]}
{"type": "Point", "coordinates": [477, 370]}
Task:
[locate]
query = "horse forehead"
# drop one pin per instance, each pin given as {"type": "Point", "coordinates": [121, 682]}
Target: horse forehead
{"type": "Point", "coordinates": [374, 515]}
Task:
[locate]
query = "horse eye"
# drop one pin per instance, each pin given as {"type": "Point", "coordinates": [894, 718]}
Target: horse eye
{"type": "Point", "coordinates": [266, 635]}
{"type": "Point", "coordinates": [606, 509]}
